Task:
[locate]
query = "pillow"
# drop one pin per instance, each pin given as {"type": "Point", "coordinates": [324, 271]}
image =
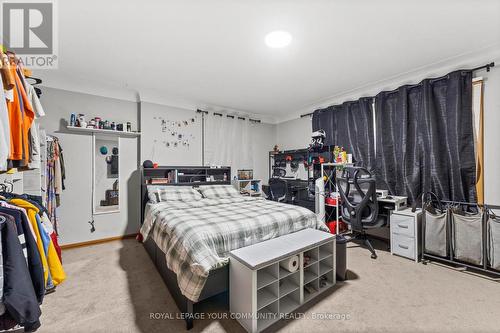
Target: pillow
{"type": "Point", "coordinates": [172, 193]}
{"type": "Point", "coordinates": [153, 195]}
{"type": "Point", "coordinates": [218, 191]}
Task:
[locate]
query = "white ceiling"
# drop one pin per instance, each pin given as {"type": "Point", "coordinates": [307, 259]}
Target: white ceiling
{"type": "Point", "coordinates": [212, 53]}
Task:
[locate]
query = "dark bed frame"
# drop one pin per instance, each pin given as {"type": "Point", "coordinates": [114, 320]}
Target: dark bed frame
{"type": "Point", "coordinates": [218, 280]}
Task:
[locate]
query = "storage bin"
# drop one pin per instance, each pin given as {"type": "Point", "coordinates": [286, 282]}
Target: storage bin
{"type": "Point", "coordinates": [494, 242]}
{"type": "Point", "coordinates": [436, 233]}
{"type": "Point", "coordinates": [467, 241]}
{"type": "Point", "coordinates": [341, 257]}
{"type": "Point", "coordinates": [245, 174]}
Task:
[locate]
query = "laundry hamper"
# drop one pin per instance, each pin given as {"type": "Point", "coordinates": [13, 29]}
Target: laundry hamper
{"type": "Point", "coordinates": [494, 242]}
{"type": "Point", "coordinates": [467, 241]}
{"type": "Point", "coordinates": [436, 233]}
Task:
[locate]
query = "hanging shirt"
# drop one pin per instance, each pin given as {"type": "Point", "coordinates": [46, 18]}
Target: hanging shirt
{"type": "Point", "coordinates": [20, 230]}
{"type": "Point", "coordinates": [39, 243]}
{"type": "Point", "coordinates": [46, 240]}
{"type": "Point", "coordinates": [51, 259]}
{"type": "Point", "coordinates": [4, 131]}
{"type": "Point", "coordinates": [34, 263]}
{"type": "Point", "coordinates": [15, 122]}
{"type": "Point", "coordinates": [22, 210]}
{"type": "Point", "coordinates": [19, 296]}
{"type": "Point", "coordinates": [35, 136]}
{"type": "Point", "coordinates": [3, 219]}
{"type": "Point", "coordinates": [47, 224]}
{"type": "Point", "coordinates": [20, 119]}
{"type": "Point", "coordinates": [28, 117]}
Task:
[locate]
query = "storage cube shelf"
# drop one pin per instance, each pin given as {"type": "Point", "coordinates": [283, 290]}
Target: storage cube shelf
{"type": "Point", "coordinates": [267, 276]}
{"type": "Point", "coordinates": [289, 283]}
{"type": "Point", "coordinates": [267, 295]}
{"type": "Point", "coordinates": [310, 273]}
{"type": "Point", "coordinates": [289, 302]}
{"type": "Point", "coordinates": [261, 287]}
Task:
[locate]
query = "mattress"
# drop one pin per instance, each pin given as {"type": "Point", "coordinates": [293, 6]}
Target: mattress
{"type": "Point", "coordinates": [197, 236]}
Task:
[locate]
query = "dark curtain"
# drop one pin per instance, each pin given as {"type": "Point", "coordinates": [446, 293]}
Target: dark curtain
{"type": "Point", "coordinates": [349, 125]}
{"type": "Point", "coordinates": [425, 139]}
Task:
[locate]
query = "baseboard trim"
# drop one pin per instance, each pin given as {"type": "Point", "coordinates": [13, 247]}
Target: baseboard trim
{"type": "Point", "coordinates": [96, 241]}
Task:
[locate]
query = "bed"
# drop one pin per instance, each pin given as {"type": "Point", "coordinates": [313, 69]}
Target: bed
{"type": "Point", "coordinates": [189, 240]}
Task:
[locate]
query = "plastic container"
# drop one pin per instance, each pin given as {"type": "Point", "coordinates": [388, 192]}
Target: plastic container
{"type": "Point", "coordinates": [341, 257]}
{"type": "Point", "coordinates": [331, 201]}
{"type": "Point", "coordinates": [332, 225]}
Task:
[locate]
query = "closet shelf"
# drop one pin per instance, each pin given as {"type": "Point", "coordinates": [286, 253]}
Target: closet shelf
{"type": "Point", "coordinates": [102, 131]}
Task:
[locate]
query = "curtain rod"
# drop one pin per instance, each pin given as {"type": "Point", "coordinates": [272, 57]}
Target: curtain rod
{"type": "Point", "coordinates": [230, 116]}
{"type": "Point", "coordinates": [487, 67]}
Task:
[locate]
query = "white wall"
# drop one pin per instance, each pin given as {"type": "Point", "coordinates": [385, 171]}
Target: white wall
{"type": "Point", "coordinates": [154, 140]}
{"type": "Point", "coordinates": [294, 134]}
{"type": "Point", "coordinates": [491, 135]}
{"type": "Point", "coordinates": [76, 200]}
{"type": "Point", "coordinates": [263, 139]}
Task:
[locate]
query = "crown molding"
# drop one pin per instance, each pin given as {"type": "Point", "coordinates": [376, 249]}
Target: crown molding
{"type": "Point", "coordinates": [467, 60]}
{"type": "Point", "coordinates": [57, 80]}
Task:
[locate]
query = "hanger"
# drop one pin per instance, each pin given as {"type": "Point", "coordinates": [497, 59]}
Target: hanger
{"type": "Point", "coordinates": [13, 60]}
{"type": "Point", "coordinates": [37, 80]}
{"type": "Point", "coordinates": [9, 189]}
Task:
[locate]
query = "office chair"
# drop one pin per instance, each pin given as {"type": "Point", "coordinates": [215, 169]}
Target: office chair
{"type": "Point", "coordinates": [278, 189]}
{"type": "Point", "coordinates": [356, 187]}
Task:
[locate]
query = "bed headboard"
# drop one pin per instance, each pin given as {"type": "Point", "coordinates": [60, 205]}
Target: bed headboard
{"type": "Point", "coordinates": [181, 176]}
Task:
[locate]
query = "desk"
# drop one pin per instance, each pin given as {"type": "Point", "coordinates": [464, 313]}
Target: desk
{"type": "Point", "coordinates": [298, 194]}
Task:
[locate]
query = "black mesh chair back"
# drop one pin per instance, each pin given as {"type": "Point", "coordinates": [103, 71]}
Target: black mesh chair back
{"type": "Point", "coordinates": [357, 189]}
{"type": "Point", "coordinates": [278, 189]}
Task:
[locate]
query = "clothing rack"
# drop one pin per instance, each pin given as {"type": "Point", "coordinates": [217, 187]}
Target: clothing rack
{"type": "Point", "coordinates": [484, 268]}
{"type": "Point", "coordinates": [33, 257]}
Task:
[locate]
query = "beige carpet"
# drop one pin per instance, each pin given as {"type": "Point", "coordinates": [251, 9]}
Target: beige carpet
{"type": "Point", "coordinates": [114, 287]}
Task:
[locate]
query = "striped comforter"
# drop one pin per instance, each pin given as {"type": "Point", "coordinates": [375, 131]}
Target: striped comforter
{"type": "Point", "coordinates": [197, 236]}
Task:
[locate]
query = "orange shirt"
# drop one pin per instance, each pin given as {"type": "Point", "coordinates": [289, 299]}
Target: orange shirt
{"type": "Point", "coordinates": [20, 121]}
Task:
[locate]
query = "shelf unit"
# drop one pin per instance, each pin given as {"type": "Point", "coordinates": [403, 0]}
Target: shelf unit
{"type": "Point", "coordinates": [101, 131]}
{"type": "Point", "coordinates": [182, 176]}
{"type": "Point", "coordinates": [260, 286]}
{"type": "Point", "coordinates": [187, 175]}
{"type": "Point", "coordinates": [254, 185]}
{"type": "Point", "coordinates": [329, 170]}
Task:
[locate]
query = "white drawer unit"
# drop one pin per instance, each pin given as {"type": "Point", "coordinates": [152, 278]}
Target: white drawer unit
{"type": "Point", "coordinates": [403, 246]}
{"type": "Point", "coordinates": [262, 292]}
{"type": "Point", "coordinates": [405, 233]}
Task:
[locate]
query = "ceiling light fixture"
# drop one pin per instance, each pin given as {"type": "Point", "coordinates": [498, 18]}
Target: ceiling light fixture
{"type": "Point", "coordinates": [278, 39]}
